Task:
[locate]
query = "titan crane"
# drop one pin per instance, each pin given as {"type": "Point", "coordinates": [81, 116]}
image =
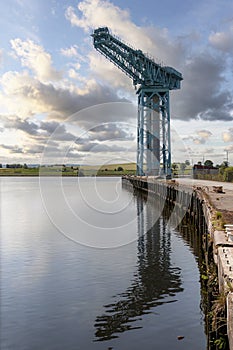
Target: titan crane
{"type": "Point", "coordinates": [154, 82]}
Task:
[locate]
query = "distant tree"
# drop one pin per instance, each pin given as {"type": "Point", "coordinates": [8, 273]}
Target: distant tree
{"type": "Point", "coordinates": [120, 168]}
{"type": "Point", "coordinates": [25, 166]}
{"type": "Point", "coordinates": [199, 163]}
{"type": "Point", "coordinates": [0, 165]}
{"type": "Point", "coordinates": [182, 167]}
{"type": "Point", "coordinates": [224, 164]}
{"type": "Point", "coordinates": [209, 163]}
{"type": "Point", "coordinates": [223, 167]}
{"type": "Point", "coordinates": [174, 168]}
{"type": "Point", "coordinates": [187, 162]}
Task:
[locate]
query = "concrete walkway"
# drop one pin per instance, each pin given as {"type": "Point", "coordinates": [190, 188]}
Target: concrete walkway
{"type": "Point", "coordinates": [223, 202]}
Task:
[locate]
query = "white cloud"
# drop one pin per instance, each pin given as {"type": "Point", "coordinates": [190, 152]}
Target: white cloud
{"type": "Point", "coordinates": [222, 41]}
{"type": "Point", "coordinates": [199, 138]}
{"type": "Point", "coordinates": [109, 74]}
{"type": "Point", "coordinates": [21, 94]}
{"type": "Point", "coordinates": [229, 148]}
{"type": "Point", "coordinates": [98, 13]}
{"type": "Point", "coordinates": [75, 75]}
{"type": "Point", "coordinates": [26, 96]}
{"type": "Point", "coordinates": [36, 59]}
{"type": "Point", "coordinates": [101, 13]}
{"type": "Point", "coordinates": [70, 52]}
{"type": "Point", "coordinates": [205, 134]}
{"type": "Point", "coordinates": [227, 136]}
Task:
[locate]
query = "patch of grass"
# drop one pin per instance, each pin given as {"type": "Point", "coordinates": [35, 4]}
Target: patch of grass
{"type": "Point", "coordinates": [86, 170]}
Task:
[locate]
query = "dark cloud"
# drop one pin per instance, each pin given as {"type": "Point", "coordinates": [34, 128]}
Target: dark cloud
{"type": "Point", "coordinates": [112, 112]}
{"type": "Point", "coordinates": [41, 130]}
{"type": "Point", "coordinates": [19, 124]}
{"type": "Point", "coordinates": [35, 149]}
{"type": "Point", "coordinates": [202, 94]}
{"type": "Point", "coordinates": [63, 102]}
{"type": "Point", "coordinates": [12, 149]}
{"type": "Point", "coordinates": [111, 131]}
{"type": "Point", "coordinates": [100, 147]}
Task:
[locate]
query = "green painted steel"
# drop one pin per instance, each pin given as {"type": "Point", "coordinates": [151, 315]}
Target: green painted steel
{"type": "Point", "coordinates": [154, 82]}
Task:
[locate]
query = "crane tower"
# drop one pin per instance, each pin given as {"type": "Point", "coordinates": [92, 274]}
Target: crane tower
{"type": "Point", "coordinates": [154, 82]}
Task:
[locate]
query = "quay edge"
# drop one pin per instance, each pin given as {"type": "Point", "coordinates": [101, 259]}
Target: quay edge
{"type": "Point", "coordinates": [199, 201]}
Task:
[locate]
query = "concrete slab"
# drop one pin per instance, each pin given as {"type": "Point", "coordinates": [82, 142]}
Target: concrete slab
{"type": "Point", "coordinates": [230, 319]}
{"type": "Point", "coordinates": [220, 239]}
{"type": "Point", "coordinates": [225, 268]}
{"type": "Point", "coordinates": [222, 202]}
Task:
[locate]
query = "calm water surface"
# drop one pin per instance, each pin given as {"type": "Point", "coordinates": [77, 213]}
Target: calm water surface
{"type": "Point", "coordinates": [58, 294]}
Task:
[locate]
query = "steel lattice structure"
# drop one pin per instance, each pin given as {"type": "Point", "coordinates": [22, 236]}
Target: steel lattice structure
{"type": "Point", "coordinates": [155, 81]}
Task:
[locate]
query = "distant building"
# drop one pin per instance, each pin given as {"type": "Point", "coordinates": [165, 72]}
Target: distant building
{"type": "Point", "coordinates": [199, 169]}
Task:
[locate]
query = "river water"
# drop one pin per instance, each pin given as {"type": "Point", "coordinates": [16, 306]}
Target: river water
{"type": "Point", "coordinates": [87, 264]}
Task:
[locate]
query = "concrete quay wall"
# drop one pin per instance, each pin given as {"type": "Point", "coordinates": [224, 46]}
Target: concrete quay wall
{"type": "Point", "coordinates": [197, 203]}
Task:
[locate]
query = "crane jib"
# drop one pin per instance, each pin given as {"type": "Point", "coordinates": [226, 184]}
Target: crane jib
{"type": "Point", "coordinates": [142, 69]}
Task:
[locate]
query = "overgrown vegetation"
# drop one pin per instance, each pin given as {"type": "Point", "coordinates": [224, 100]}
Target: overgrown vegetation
{"type": "Point", "coordinates": [225, 174]}
{"type": "Point", "coordinates": [214, 306]}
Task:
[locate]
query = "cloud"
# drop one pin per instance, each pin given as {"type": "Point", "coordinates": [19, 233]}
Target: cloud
{"type": "Point", "coordinates": [26, 96]}
{"type": "Point", "coordinates": [209, 151]}
{"type": "Point", "coordinates": [202, 94]}
{"type": "Point", "coordinates": [40, 130]}
{"type": "Point", "coordinates": [199, 141]}
{"type": "Point", "coordinates": [111, 131]}
{"type": "Point", "coordinates": [35, 58]}
{"type": "Point", "coordinates": [70, 52]}
{"type": "Point", "coordinates": [42, 91]}
{"type": "Point", "coordinates": [227, 136]}
{"type": "Point", "coordinates": [35, 149]}
{"type": "Point", "coordinates": [92, 14]}
{"type": "Point", "coordinates": [229, 148]}
{"type": "Point", "coordinates": [200, 137]}
{"type": "Point", "coordinates": [104, 138]}
{"type": "Point", "coordinates": [222, 41]}
{"type": "Point", "coordinates": [99, 13]}
{"type": "Point", "coordinates": [13, 148]}
{"type": "Point", "coordinates": [23, 125]}
{"type": "Point", "coordinates": [205, 134]}
{"type": "Point", "coordinates": [96, 147]}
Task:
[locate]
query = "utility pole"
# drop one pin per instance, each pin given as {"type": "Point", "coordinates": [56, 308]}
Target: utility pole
{"type": "Point", "coordinates": [227, 157]}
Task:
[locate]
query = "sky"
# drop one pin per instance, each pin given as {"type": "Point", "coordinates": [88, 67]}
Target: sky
{"type": "Point", "coordinates": [63, 102]}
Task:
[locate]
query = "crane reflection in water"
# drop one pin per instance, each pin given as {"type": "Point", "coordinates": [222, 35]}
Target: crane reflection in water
{"type": "Point", "coordinates": [154, 282]}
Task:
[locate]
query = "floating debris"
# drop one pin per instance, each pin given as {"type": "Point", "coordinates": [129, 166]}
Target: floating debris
{"type": "Point", "coordinates": [180, 337]}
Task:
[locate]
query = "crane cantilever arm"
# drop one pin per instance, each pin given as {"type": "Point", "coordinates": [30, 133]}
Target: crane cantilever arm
{"type": "Point", "coordinates": [134, 63]}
